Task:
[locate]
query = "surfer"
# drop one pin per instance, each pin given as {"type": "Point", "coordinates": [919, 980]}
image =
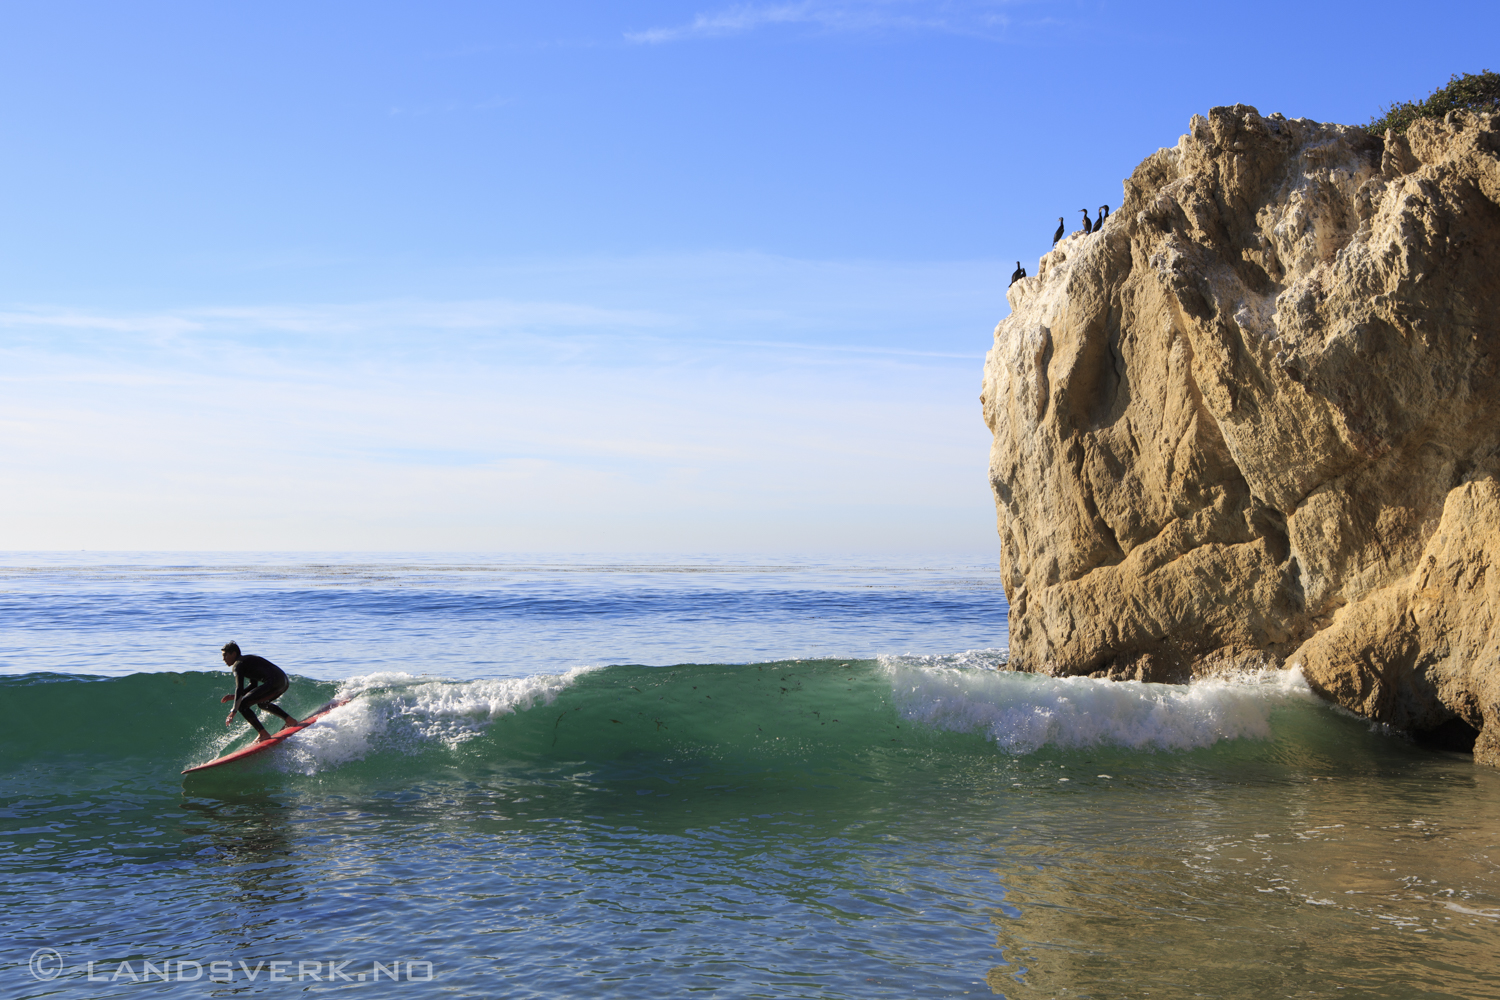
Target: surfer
{"type": "Point", "coordinates": [257, 681]}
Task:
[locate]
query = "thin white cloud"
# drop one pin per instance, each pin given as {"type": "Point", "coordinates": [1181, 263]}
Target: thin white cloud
{"type": "Point", "coordinates": [967, 17]}
{"type": "Point", "coordinates": [734, 21]}
{"type": "Point", "coordinates": [702, 402]}
{"type": "Point", "coordinates": [655, 309]}
{"type": "Point", "coordinates": [363, 318]}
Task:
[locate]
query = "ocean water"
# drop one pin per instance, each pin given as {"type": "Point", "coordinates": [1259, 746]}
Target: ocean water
{"type": "Point", "coordinates": [578, 778]}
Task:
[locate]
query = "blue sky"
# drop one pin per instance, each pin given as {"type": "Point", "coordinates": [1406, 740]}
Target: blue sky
{"type": "Point", "coordinates": [579, 277]}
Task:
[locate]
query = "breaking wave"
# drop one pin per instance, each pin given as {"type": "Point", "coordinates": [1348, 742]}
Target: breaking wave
{"type": "Point", "coordinates": [787, 714]}
{"type": "Point", "coordinates": [1022, 712]}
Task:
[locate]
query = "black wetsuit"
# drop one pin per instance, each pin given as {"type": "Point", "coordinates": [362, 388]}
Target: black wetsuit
{"type": "Point", "coordinates": [261, 682]}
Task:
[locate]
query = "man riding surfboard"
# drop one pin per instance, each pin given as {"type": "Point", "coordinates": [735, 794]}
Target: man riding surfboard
{"type": "Point", "coordinates": [257, 681]}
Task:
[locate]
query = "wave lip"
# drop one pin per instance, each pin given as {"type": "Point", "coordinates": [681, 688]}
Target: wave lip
{"type": "Point", "coordinates": [394, 706]}
{"type": "Point", "coordinates": [1024, 712]}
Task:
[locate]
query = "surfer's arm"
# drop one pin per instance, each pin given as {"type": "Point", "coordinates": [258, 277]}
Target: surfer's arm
{"type": "Point", "coordinates": [240, 687]}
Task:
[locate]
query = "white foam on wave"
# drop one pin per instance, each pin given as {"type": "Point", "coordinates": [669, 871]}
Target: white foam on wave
{"type": "Point", "coordinates": [407, 710]}
{"type": "Point", "coordinates": [1025, 712]}
{"type": "Point", "coordinates": [974, 659]}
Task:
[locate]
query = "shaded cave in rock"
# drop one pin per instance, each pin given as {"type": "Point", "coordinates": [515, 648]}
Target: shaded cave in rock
{"type": "Point", "coordinates": [1455, 735]}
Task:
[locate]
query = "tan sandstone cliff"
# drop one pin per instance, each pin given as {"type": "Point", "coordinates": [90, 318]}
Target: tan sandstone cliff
{"type": "Point", "coordinates": [1256, 420]}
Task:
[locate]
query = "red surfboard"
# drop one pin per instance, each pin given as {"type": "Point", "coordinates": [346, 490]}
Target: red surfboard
{"type": "Point", "coordinates": [260, 745]}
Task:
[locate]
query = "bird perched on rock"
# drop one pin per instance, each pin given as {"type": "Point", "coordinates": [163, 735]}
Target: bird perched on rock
{"type": "Point", "coordinates": [1103, 214]}
{"type": "Point", "coordinates": [1088, 227]}
{"type": "Point", "coordinates": [1058, 235]}
{"type": "Point", "coordinates": [1018, 273]}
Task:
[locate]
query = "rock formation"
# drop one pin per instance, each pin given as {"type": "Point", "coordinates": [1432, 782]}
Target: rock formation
{"type": "Point", "coordinates": [1255, 420]}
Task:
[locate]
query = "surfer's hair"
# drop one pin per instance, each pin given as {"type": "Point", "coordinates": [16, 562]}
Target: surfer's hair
{"type": "Point", "coordinates": [232, 647]}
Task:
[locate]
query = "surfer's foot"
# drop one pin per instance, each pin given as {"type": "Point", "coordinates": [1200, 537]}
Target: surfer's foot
{"type": "Point", "coordinates": [289, 723]}
{"type": "Point", "coordinates": [264, 736]}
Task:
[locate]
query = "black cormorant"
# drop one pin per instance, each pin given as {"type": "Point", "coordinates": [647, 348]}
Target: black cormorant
{"type": "Point", "coordinates": [1088, 227]}
{"type": "Point", "coordinates": [1103, 214]}
{"type": "Point", "coordinates": [1058, 235]}
{"type": "Point", "coordinates": [1018, 273]}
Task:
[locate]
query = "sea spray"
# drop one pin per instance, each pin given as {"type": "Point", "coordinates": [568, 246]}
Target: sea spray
{"type": "Point", "coordinates": [1024, 712]}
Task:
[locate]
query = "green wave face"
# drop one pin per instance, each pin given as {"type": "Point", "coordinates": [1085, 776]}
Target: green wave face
{"type": "Point", "coordinates": [877, 719]}
{"type": "Point", "coordinates": [629, 723]}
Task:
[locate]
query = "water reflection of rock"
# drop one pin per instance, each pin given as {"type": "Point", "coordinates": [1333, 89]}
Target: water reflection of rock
{"type": "Point", "coordinates": [1371, 888]}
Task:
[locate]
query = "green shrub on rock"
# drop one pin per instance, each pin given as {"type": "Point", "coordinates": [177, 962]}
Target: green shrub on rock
{"type": "Point", "coordinates": [1465, 92]}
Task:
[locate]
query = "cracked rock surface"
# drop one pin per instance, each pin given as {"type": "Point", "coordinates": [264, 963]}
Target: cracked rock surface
{"type": "Point", "coordinates": [1255, 421]}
